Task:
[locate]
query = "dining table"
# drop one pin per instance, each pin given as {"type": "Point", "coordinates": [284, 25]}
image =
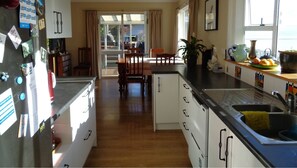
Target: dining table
{"type": "Point", "coordinates": [148, 62]}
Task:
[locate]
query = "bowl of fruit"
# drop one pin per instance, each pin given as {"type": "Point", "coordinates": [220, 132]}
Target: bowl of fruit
{"type": "Point", "coordinates": [263, 63]}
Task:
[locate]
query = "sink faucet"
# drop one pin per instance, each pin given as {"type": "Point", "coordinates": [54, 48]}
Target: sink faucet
{"type": "Point", "coordinates": [289, 104]}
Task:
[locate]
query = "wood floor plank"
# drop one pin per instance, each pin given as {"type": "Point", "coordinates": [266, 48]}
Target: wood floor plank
{"type": "Point", "coordinates": [125, 134]}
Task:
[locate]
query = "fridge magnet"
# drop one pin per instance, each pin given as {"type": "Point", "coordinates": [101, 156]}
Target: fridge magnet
{"type": "Point", "coordinates": [9, 4]}
{"type": "Point", "coordinates": [27, 48]}
{"type": "Point", "coordinates": [23, 125]}
{"type": "Point", "coordinates": [27, 13]}
{"type": "Point", "coordinates": [41, 24]}
{"type": "Point", "coordinates": [2, 46]}
{"type": "Point", "coordinates": [7, 111]}
{"type": "Point", "coordinates": [39, 7]}
{"type": "Point", "coordinates": [43, 54]}
{"type": "Point", "coordinates": [14, 37]}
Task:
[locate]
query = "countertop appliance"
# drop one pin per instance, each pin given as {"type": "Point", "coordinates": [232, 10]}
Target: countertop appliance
{"type": "Point", "coordinates": [25, 133]}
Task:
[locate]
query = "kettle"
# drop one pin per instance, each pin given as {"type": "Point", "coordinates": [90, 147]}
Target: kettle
{"type": "Point", "coordinates": [238, 52]}
{"type": "Point", "coordinates": [51, 85]}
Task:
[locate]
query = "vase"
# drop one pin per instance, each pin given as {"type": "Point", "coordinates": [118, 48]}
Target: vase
{"type": "Point", "coordinates": [252, 53]}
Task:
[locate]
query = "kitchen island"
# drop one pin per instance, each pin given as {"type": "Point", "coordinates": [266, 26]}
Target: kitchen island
{"type": "Point", "coordinates": [73, 121]}
{"type": "Point", "coordinates": [200, 80]}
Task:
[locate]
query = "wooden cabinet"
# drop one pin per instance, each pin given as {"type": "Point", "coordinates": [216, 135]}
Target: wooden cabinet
{"type": "Point", "coordinates": [76, 128]}
{"type": "Point", "coordinates": [58, 18]}
{"type": "Point", "coordinates": [225, 149]}
{"type": "Point", "coordinates": [165, 101]}
{"type": "Point", "coordinates": [60, 64]}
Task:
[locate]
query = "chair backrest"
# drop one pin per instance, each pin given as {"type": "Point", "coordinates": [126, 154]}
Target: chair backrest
{"type": "Point", "coordinates": [155, 51]}
{"type": "Point", "coordinates": [84, 56]}
{"type": "Point", "coordinates": [165, 59]}
{"type": "Point", "coordinates": [134, 50]}
{"type": "Point", "coordinates": [134, 64]}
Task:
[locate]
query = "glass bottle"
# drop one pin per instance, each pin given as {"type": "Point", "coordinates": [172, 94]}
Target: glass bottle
{"type": "Point", "coordinates": [252, 53]}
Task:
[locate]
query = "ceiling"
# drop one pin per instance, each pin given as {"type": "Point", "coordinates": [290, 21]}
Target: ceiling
{"type": "Point", "coordinates": [139, 1]}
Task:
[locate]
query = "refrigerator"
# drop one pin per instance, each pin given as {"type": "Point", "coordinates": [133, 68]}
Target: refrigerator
{"type": "Point", "coordinates": [25, 107]}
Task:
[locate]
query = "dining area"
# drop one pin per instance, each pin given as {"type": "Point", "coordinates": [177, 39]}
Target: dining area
{"type": "Point", "coordinates": [136, 67]}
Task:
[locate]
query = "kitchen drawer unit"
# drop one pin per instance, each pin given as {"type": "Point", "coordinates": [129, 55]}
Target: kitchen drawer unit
{"type": "Point", "coordinates": [76, 127]}
{"type": "Point", "coordinates": [184, 107]}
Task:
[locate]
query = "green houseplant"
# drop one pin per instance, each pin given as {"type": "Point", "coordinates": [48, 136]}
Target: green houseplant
{"type": "Point", "coordinates": [191, 50]}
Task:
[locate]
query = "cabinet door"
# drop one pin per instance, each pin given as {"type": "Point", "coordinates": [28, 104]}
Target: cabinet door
{"type": "Point", "coordinates": [218, 133]}
{"type": "Point", "coordinates": [166, 99]}
{"type": "Point", "coordinates": [242, 157]}
{"type": "Point", "coordinates": [58, 18]}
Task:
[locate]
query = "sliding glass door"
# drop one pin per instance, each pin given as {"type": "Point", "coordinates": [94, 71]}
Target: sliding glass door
{"type": "Point", "coordinates": [118, 32]}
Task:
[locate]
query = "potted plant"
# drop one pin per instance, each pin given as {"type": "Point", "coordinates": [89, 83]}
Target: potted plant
{"type": "Point", "coordinates": [191, 50]}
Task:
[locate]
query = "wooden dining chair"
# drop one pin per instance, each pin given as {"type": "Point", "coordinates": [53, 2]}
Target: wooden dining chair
{"type": "Point", "coordinates": [84, 66]}
{"type": "Point", "coordinates": [154, 51]}
{"type": "Point", "coordinates": [165, 59]}
{"type": "Point", "coordinates": [134, 50]}
{"type": "Point", "coordinates": [134, 70]}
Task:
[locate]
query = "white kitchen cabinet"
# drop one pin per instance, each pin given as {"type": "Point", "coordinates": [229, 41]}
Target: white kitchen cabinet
{"type": "Point", "coordinates": [165, 101]}
{"type": "Point", "coordinates": [76, 127]}
{"type": "Point", "coordinates": [58, 18]}
{"type": "Point", "coordinates": [222, 141]}
{"type": "Point", "coordinates": [185, 101]}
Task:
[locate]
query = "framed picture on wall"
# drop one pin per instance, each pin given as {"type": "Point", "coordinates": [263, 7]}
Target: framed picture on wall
{"type": "Point", "coordinates": [211, 15]}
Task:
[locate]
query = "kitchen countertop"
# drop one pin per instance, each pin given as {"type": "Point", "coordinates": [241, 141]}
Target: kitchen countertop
{"type": "Point", "coordinates": [276, 72]}
{"type": "Point", "coordinates": [66, 91]}
{"type": "Point", "coordinates": [280, 155]}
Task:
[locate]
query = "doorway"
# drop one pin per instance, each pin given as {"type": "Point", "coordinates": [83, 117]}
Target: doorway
{"type": "Point", "coordinates": [118, 32]}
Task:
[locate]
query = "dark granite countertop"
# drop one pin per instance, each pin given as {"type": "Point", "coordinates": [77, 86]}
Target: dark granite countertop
{"type": "Point", "coordinates": [280, 155]}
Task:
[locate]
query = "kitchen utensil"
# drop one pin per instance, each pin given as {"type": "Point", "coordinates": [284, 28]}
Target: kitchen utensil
{"type": "Point", "coordinates": [238, 52]}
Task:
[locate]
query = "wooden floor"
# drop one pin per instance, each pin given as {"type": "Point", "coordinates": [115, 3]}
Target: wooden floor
{"type": "Point", "coordinates": [125, 132]}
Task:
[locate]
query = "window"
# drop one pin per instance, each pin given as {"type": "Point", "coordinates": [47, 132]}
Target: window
{"type": "Point", "coordinates": [183, 24]}
{"type": "Point", "coordinates": [272, 23]}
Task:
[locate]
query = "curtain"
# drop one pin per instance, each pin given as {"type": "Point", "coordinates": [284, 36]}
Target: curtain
{"type": "Point", "coordinates": [193, 17]}
{"type": "Point", "coordinates": [93, 41]}
{"type": "Point", "coordinates": [154, 22]}
{"type": "Point", "coordinates": [175, 31]}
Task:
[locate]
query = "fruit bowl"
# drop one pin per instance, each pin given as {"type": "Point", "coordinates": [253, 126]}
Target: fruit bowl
{"type": "Point", "coordinates": [263, 66]}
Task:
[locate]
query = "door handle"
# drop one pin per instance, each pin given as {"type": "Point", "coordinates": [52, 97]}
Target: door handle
{"type": "Point", "coordinates": [220, 145]}
{"type": "Point", "coordinates": [227, 152]}
{"type": "Point", "coordinates": [159, 85]}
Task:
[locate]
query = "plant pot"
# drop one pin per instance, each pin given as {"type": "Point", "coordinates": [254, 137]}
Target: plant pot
{"type": "Point", "coordinates": [191, 62]}
{"type": "Point", "coordinates": [288, 61]}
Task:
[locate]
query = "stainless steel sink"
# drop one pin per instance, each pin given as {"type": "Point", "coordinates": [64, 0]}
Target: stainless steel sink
{"type": "Point", "coordinates": [258, 107]}
{"type": "Point", "coordinates": [280, 124]}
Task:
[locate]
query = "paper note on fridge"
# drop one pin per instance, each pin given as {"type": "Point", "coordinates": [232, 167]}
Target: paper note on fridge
{"type": "Point", "coordinates": [14, 36]}
{"type": "Point", "coordinates": [2, 46]}
{"type": "Point", "coordinates": [7, 111]}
